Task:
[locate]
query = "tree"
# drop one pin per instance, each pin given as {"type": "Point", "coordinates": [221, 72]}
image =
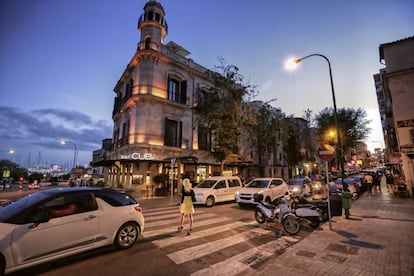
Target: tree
{"type": "Point", "coordinates": [221, 109]}
{"type": "Point", "coordinates": [262, 128]}
{"type": "Point", "coordinates": [352, 125]}
{"type": "Point", "coordinates": [292, 143]}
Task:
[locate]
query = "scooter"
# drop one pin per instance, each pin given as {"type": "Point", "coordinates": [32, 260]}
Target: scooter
{"type": "Point", "coordinates": [309, 213]}
{"type": "Point", "coordinates": [279, 214]}
{"type": "Point", "coordinates": [319, 208]}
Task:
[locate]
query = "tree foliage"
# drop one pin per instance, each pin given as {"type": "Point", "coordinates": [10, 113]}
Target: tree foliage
{"type": "Point", "coordinates": [352, 125]}
{"type": "Point", "coordinates": [262, 128]}
{"type": "Point", "coordinates": [292, 142]}
{"type": "Point", "coordinates": [221, 108]}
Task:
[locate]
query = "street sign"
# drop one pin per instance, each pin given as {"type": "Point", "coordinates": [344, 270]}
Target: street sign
{"type": "Point", "coordinates": [326, 152]}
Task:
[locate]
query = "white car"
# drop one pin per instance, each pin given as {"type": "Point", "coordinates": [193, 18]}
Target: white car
{"type": "Point", "coordinates": [271, 188]}
{"type": "Point", "coordinates": [217, 189]}
{"type": "Point", "coordinates": [56, 223]}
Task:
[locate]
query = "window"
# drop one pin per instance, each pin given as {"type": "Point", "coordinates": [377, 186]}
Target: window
{"type": "Point", "coordinates": [147, 43]}
{"type": "Point", "coordinates": [173, 133]}
{"type": "Point", "coordinates": [204, 139]}
{"type": "Point", "coordinates": [177, 91]}
{"type": "Point", "coordinates": [234, 183]}
{"type": "Point", "coordinates": [276, 182]}
{"type": "Point", "coordinates": [220, 185]}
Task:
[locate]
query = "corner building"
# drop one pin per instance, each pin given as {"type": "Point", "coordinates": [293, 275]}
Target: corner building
{"type": "Point", "coordinates": [154, 123]}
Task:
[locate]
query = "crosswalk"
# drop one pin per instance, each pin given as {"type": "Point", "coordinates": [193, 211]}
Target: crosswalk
{"type": "Point", "coordinates": [219, 245]}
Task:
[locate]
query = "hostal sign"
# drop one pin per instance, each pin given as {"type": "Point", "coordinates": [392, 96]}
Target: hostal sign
{"type": "Point", "coordinates": [139, 156]}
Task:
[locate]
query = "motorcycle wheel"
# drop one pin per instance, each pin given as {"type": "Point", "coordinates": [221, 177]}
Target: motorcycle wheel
{"type": "Point", "coordinates": [259, 216]}
{"type": "Point", "coordinates": [291, 225]}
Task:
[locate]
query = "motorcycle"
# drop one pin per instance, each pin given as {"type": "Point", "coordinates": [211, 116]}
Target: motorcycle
{"type": "Point", "coordinates": [279, 214]}
{"type": "Point", "coordinates": [319, 208]}
{"type": "Point", "coordinates": [306, 213]}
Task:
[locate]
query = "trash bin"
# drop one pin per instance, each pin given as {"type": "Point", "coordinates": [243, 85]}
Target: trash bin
{"type": "Point", "coordinates": [336, 205]}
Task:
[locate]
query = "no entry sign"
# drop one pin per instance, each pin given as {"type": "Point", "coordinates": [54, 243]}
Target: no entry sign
{"type": "Point", "coordinates": [326, 152]}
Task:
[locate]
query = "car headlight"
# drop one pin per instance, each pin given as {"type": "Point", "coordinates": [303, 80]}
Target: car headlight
{"type": "Point", "coordinates": [296, 189]}
{"type": "Point", "coordinates": [238, 192]}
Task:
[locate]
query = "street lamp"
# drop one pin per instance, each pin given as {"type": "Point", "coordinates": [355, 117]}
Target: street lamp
{"type": "Point", "coordinates": [63, 142]}
{"type": "Point", "coordinates": [339, 149]}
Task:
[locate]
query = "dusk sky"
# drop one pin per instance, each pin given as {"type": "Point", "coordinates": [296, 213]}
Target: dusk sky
{"type": "Point", "coordinates": [61, 59]}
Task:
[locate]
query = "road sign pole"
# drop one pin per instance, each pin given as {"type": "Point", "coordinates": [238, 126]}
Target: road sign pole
{"type": "Point", "coordinates": [329, 199]}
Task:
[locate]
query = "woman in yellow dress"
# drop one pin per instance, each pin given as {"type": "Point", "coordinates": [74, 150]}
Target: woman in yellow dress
{"type": "Point", "coordinates": [187, 207]}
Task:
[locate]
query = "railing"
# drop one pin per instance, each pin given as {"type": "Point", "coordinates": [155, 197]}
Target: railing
{"type": "Point", "coordinates": [150, 139]}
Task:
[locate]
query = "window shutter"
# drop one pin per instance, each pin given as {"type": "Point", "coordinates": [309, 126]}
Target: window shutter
{"type": "Point", "coordinates": [180, 135]}
{"type": "Point", "coordinates": [183, 96]}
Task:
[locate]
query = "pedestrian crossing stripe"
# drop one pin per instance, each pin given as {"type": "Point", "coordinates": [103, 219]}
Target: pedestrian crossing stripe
{"type": "Point", "coordinates": [201, 250]}
{"type": "Point", "coordinates": [164, 221]}
{"type": "Point", "coordinates": [172, 229]}
{"type": "Point", "coordinates": [243, 262]}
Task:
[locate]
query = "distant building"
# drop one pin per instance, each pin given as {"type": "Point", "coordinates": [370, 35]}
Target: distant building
{"type": "Point", "coordinates": [396, 109]}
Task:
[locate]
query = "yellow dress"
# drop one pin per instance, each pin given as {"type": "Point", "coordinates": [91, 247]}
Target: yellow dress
{"type": "Point", "coordinates": [187, 206]}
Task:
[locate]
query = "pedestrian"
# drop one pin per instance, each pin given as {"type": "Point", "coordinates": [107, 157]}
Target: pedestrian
{"type": "Point", "coordinates": [346, 201]}
{"type": "Point", "coordinates": [390, 181]}
{"type": "Point", "coordinates": [187, 207]}
{"type": "Point", "coordinates": [369, 179]}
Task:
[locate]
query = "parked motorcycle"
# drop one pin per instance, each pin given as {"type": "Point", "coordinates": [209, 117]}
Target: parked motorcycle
{"type": "Point", "coordinates": [306, 213]}
{"type": "Point", "coordinates": [279, 214]}
{"type": "Point", "coordinates": [320, 206]}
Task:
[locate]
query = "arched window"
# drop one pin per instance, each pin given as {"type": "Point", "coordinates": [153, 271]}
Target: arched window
{"type": "Point", "coordinates": [147, 43]}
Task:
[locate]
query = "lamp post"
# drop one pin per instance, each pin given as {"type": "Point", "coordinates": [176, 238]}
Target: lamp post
{"type": "Point", "coordinates": [63, 142]}
{"type": "Point", "coordinates": [339, 149]}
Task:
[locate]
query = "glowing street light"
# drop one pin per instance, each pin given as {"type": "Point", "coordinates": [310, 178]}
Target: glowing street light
{"type": "Point", "coordinates": [290, 65]}
{"type": "Point", "coordinates": [63, 142]}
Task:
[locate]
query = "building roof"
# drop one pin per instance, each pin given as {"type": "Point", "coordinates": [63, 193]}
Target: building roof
{"type": "Point", "coordinates": [382, 46]}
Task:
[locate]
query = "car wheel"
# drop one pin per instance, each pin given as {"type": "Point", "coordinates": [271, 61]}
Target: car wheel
{"type": "Point", "coordinates": [210, 201]}
{"type": "Point", "coordinates": [127, 235]}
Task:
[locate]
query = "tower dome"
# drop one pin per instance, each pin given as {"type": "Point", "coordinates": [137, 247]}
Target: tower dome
{"type": "Point", "coordinates": [153, 26]}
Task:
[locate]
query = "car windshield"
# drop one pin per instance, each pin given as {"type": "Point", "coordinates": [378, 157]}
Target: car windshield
{"type": "Point", "coordinates": [206, 184]}
{"type": "Point", "coordinates": [13, 208]}
{"type": "Point", "coordinates": [258, 184]}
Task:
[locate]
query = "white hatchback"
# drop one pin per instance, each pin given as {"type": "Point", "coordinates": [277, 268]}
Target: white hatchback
{"type": "Point", "coordinates": [271, 188]}
{"type": "Point", "coordinates": [217, 189]}
{"type": "Point", "coordinates": [56, 223]}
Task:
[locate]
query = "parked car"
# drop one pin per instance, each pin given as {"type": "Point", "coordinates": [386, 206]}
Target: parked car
{"type": "Point", "coordinates": [217, 189]}
{"type": "Point", "coordinates": [300, 187]}
{"type": "Point", "coordinates": [60, 222]}
{"type": "Point", "coordinates": [271, 188]}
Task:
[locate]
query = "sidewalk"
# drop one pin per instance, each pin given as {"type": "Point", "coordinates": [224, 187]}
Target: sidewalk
{"type": "Point", "coordinates": [377, 240]}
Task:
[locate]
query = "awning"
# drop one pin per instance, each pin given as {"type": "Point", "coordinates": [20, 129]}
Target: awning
{"type": "Point", "coordinates": [104, 163]}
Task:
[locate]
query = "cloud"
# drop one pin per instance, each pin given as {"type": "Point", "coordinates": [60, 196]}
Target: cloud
{"type": "Point", "coordinates": [42, 130]}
